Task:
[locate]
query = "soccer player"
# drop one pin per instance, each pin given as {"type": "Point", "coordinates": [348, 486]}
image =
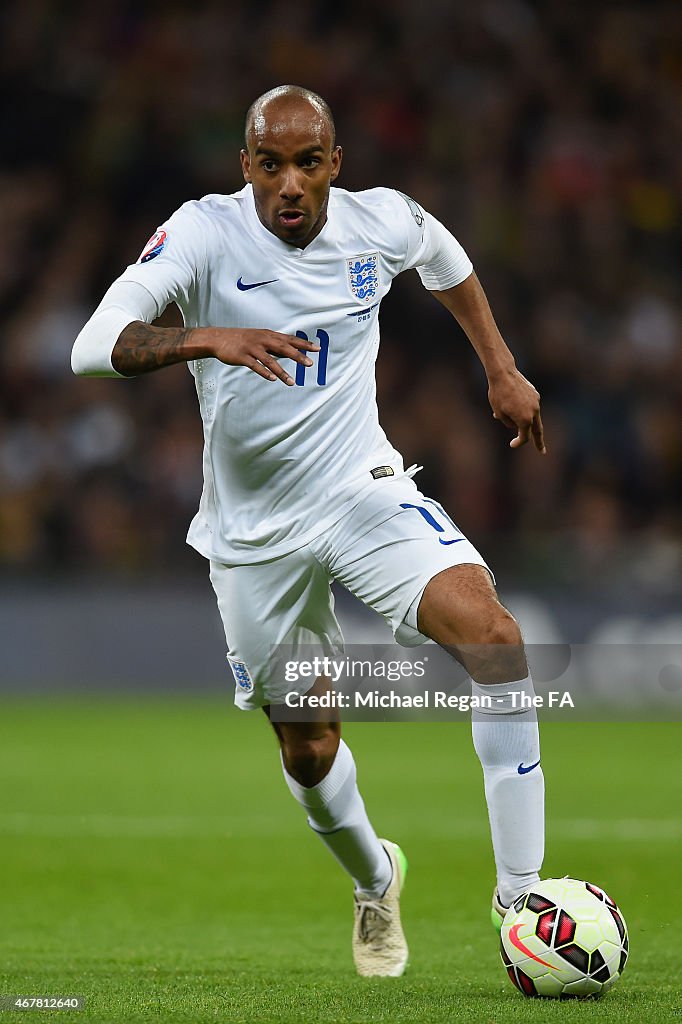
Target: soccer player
{"type": "Point", "coordinates": [279, 286]}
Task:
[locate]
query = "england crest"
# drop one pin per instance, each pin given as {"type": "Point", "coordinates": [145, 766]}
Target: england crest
{"type": "Point", "coordinates": [242, 676]}
{"type": "Point", "coordinates": [363, 275]}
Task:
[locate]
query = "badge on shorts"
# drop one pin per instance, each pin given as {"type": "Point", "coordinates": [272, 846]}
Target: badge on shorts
{"type": "Point", "coordinates": [242, 676]}
{"type": "Point", "coordinates": [382, 471]}
{"type": "Point", "coordinates": [363, 276]}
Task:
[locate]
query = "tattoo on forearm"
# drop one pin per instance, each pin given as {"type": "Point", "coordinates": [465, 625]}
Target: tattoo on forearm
{"type": "Point", "coordinates": [141, 348]}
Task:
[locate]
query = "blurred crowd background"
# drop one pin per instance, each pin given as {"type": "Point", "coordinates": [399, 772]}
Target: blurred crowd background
{"type": "Point", "coordinates": [547, 136]}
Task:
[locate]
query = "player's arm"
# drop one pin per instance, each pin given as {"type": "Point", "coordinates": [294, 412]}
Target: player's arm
{"type": "Point", "coordinates": [141, 347]}
{"type": "Point", "coordinates": [512, 398]}
{"type": "Point", "coordinates": [446, 271]}
{"type": "Point", "coordinates": [119, 341]}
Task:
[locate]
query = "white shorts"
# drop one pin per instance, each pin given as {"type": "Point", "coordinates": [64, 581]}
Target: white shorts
{"type": "Point", "coordinates": [384, 551]}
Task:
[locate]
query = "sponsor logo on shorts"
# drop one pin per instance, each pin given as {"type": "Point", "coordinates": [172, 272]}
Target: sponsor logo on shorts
{"type": "Point", "coordinates": [242, 676]}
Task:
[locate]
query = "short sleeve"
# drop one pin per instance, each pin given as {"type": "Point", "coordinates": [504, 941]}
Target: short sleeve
{"type": "Point", "coordinates": [173, 259]}
{"type": "Point", "coordinates": [167, 270]}
{"type": "Point", "coordinates": [430, 248]}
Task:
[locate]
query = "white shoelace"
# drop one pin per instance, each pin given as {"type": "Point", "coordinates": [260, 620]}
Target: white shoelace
{"type": "Point", "coordinates": [374, 921]}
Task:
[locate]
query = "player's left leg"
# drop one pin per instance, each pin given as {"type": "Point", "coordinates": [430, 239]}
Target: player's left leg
{"type": "Point", "coordinates": [400, 553]}
{"type": "Point", "coordinates": [459, 609]}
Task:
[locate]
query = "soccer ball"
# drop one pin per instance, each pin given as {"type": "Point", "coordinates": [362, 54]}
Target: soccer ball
{"type": "Point", "coordinates": [564, 938]}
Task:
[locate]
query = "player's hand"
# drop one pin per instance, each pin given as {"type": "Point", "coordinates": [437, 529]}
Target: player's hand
{"type": "Point", "coordinates": [516, 403]}
{"type": "Point", "coordinates": [257, 349]}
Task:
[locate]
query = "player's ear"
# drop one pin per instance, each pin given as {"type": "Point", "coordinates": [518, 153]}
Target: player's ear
{"type": "Point", "coordinates": [246, 164]}
{"type": "Point", "coordinates": [337, 157]}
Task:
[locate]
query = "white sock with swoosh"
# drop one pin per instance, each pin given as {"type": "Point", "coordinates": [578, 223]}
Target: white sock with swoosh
{"type": "Point", "coordinates": [507, 742]}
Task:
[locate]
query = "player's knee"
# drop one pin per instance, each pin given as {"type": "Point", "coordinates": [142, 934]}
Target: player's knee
{"type": "Point", "coordinates": [500, 629]}
{"type": "Point", "coordinates": [494, 652]}
{"type": "Point", "coordinates": [500, 656]}
{"type": "Point", "coordinates": [487, 624]}
{"type": "Point", "coordinates": [309, 759]}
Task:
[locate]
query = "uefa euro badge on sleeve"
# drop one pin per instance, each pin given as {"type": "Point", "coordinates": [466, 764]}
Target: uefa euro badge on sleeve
{"type": "Point", "coordinates": [154, 246]}
{"type": "Point", "coordinates": [363, 275]}
{"type": "Point", "coordinates": [242, 676]}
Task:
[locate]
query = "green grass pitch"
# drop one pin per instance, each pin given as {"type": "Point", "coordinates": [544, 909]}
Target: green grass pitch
{"type": "Point", "coordinates": [152, 861]}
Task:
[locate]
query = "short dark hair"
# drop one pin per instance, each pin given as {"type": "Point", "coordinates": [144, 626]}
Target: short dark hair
{"type": "Point", "coordinates": [289, 90]}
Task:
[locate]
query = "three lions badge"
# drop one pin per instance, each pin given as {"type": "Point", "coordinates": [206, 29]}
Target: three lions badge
{"type": "Point", "coordinates": [363, 276]}
{"type": "Point", "coordinates": [242, 676]}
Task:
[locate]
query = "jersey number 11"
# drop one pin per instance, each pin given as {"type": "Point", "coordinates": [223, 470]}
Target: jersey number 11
{"type": "Point", "coordinates": [323, 339]}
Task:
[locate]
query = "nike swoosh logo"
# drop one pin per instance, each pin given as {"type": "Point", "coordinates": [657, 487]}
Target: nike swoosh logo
{"type": "Point", "coordinates": [524, 771]}
{"type": "Point", "coordinates": [516, 941]}
{"type": "Point", "coordinates": [257, 284]}
{"type": "Point", "coordinates": [441, 541]}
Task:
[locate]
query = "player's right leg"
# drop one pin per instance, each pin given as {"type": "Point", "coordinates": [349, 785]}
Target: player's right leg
{"type": "Point", "coordinates": [287, 601]}
{"type": "Point", "coordinates": [320, 772]}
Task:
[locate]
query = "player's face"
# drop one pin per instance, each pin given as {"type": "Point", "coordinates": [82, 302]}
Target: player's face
{"type": "Point", "coordinates": [291, 164]}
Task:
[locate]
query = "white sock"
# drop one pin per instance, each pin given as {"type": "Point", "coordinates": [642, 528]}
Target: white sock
{"type": "Point", "coordinates": [337, 813]}
{"type": "Point", "coordinates": [506, 740]}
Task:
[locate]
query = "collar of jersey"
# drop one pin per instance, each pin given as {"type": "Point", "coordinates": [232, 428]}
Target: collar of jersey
{"type": "Point", "coordinates": [319, 243]}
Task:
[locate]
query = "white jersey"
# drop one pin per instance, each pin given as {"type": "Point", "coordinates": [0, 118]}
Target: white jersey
{"type": "Point", "coordinates": [281, 463]}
